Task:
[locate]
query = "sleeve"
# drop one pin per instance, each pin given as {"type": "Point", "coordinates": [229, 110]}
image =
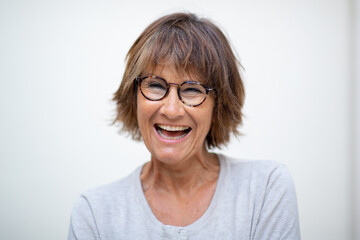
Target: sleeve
{"type": "Point", "coordinates": [278, 219]}
{"type": "Point", "coordinates": [82, 223]}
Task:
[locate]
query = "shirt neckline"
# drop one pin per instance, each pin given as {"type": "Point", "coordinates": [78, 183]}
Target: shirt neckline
{"type": "Point", "coordinates": [199, 223]}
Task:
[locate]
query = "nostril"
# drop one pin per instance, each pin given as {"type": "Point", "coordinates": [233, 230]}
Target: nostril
{"type": "Point", "coordinates": [172, 107]}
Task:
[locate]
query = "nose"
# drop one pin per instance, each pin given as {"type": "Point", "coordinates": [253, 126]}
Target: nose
{"type": "Point", "coordinates": [172, 107]}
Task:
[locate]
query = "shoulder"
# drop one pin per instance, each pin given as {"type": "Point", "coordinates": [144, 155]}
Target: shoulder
{"type": "Point", "coordinates": [110, 189]}
{"type": "Point", "coordinates": [99, 211]}
{"type": "Point", "coordinates": [253, 169]}
{"type": "Point", "coordinates": [108, 197]}
{"type": "Point", "coordinates": [261, 177]}
{"type": "Point", "coordinates": [269, 189]}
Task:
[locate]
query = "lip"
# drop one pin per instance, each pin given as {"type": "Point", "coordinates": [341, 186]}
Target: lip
{"type": "Point", "coordinates": [165, 140]}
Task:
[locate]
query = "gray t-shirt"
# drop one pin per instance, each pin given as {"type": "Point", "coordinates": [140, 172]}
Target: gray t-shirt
{"type": "Point", "coordinates": [252, 200]}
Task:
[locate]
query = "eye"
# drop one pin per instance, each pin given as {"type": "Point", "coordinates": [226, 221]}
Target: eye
{"type": "Point", "coordinates": [154, 84]}
{"type": "Point", "coordinates": [192, 90]}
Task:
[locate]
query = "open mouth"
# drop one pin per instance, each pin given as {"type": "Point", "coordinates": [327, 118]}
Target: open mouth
{"type": "Point", "coordinates": [172, 132]}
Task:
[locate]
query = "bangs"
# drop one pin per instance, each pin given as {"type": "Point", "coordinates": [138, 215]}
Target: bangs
{"type": "Point", "coordinates": [195, 48]}
{"type": "Point", "coordinates": [181, 48]}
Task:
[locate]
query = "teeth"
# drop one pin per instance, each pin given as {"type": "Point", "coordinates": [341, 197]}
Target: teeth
{"type": "Point", "coordinates": [172, 128]}
{"type": "Point", "coordinates": [171, 138]}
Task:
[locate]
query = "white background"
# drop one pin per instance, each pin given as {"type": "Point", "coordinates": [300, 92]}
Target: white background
{"type": "Point", "coordinates": [61, 61]}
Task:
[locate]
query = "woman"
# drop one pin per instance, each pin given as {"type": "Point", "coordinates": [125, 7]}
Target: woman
{"type": "Point", "coordinates": [182, 94]}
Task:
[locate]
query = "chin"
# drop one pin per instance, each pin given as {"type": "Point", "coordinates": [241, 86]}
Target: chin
{"type": "Point", "coordinates": [167, 158]}
{"type": "Point", "coordinates": [170, 156]}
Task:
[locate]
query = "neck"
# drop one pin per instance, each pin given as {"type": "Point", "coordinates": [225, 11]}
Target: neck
{"type": "Point", "coordinates": [180, 179]}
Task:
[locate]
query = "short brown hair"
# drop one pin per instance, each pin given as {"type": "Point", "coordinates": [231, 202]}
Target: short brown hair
{"type": "Point", "coordinates": [196, 46]}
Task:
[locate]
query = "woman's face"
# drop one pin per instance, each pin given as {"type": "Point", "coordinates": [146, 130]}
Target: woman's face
{"type": "Point", "coordinates": [172, 131]}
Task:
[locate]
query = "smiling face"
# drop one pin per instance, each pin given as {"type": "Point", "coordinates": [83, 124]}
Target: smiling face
{"type": "Point", "coordinates": [172, 131]}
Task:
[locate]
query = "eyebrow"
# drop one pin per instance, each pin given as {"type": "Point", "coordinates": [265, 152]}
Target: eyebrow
{"type": "Point", "coordinates": [187, 79]}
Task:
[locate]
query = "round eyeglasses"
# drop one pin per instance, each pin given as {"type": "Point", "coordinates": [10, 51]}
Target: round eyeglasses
{"type": "Point", "coordinates": [155, 88]}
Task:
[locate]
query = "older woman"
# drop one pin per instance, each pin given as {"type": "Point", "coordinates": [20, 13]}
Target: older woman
{"type": "Point", "coordinates": [182, 94]}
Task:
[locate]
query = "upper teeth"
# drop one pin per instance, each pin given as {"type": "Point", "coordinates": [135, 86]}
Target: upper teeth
{"type": "Point", "coordinates": [172, 128]}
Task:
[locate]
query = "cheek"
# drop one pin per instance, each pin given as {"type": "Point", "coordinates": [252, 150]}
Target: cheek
{"type": "Point", "coordinates": [210, 114]}
{"type": "Point", "coordinates": [146, 110]}
{"type": "Point", "coordinates": [141, 106]}
{"type": "Point", "coordinates": [204, 121]}
{"type": "Point", "coordinates": [141, 114]}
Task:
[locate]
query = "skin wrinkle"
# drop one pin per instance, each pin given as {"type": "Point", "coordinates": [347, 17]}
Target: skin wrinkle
{"type": "Point", "coordinates": [181, 175]}
{"type": "Point", "coordinates": [177, 179]}
{"type": "Point", "coordinates": [180, 180]}
{"type": "Point", "coordinates": [174, 204]}
{"type": "Point", "coordinates": [194, 45]}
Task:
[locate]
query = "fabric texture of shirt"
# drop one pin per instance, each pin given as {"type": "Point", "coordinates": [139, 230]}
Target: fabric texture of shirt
{"type": "Point", "coordinates": [253, 200]}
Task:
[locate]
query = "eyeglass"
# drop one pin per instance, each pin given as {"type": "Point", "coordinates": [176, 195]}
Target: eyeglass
{"type": "Point", "coordinates": [155, 88]}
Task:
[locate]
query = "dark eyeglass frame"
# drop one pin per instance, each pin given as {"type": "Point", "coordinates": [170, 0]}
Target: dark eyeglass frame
{"type": "Point", "coordinates": [139, 80]}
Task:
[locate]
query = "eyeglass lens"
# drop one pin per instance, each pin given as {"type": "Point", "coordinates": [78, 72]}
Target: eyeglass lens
{"type": "Point", "coordinates": [191, 93]}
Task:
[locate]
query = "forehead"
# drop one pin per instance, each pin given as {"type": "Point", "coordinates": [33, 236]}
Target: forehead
{"type": "Point", "coordinates": [172, 72]}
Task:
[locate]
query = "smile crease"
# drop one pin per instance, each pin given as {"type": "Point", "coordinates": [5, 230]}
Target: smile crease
{"type": "Point", "coordinates": [172, 132]}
